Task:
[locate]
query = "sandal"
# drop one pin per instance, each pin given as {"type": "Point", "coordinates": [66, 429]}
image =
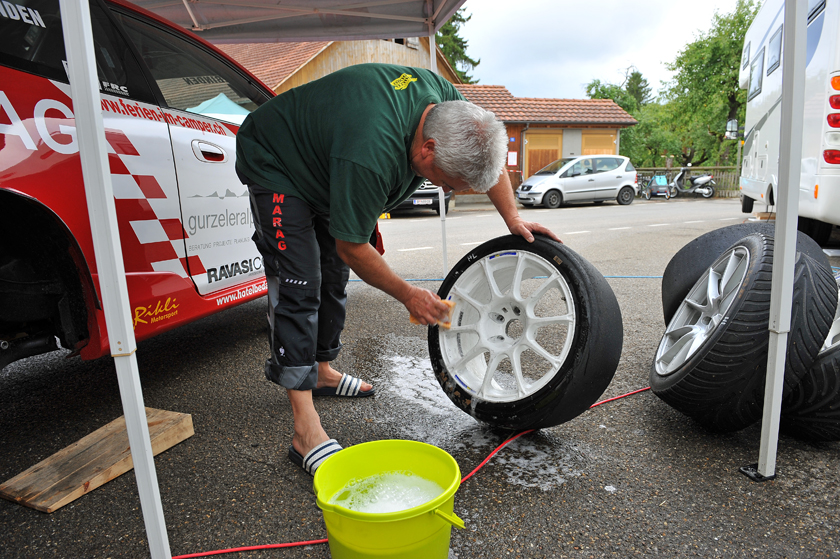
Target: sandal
{"type": "Point", "coordinates": [314, 457]}
{"type": "Point", "coordinates": [348, 387]}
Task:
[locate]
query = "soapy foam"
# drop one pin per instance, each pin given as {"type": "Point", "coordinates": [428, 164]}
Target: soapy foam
{"type": "Point", "coordinates": [386, 492]}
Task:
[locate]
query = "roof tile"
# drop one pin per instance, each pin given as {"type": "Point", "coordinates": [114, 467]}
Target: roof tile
{"type": "Point", "coordinates": [506, 107]}
{"type": "Point", "coordinates": [272, 63]}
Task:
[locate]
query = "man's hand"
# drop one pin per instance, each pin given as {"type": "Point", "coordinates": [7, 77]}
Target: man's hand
{"type": "Point", "coordinates": [425, 306]}
{"type": "Point", "coordinates": [525, 229]}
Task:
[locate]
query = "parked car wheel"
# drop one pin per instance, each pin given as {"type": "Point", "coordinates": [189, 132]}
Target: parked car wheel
{"type": "Point", "coordinates": [711, 362]}
{"type": "Point", "coordinates": [746, 204]}
{"type": "Point", "coordinates": [552, 199]}
{"type": "Point", "coordinates": [692, 260]}
{"type": "Point", "coordinates": [812, 410]}
{"type": "Point", "coordinates": [625, 196]}
{"type": "Point", "coordinates": [536, 334]}
{"type": "Point", "coordinates": [445, 208]}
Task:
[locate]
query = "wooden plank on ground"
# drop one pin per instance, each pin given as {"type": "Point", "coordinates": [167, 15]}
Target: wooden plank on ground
{"type": "Point", "coordinates": [91, 462]}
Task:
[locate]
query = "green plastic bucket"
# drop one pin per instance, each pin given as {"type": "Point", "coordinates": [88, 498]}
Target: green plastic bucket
{"type": "Point", "coordinates": [421, 532]}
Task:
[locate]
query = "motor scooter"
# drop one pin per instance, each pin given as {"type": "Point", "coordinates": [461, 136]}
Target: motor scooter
{"type": "Point", "coordinates": [684, 184]}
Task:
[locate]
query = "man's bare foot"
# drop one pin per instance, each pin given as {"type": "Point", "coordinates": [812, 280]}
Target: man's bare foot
{"type": "Point", "coordinates": [327, 376]}
{"type": "Point", "coordinates": [308, 430]}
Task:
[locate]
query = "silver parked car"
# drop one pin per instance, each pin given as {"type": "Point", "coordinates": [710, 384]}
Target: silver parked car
{"type": "Point", "coordinates": [590, 178]}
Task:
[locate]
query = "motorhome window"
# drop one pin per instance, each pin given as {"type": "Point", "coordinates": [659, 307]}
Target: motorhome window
{"type": "Point", "coordinates": [745, 58]}
{"type": "Point", "coordinates": [756, 75]}
{"type": "Point", "coordinates": [774, 51]}
{"type": "Point", "coordinates": [33, 41]}
{"type": "Point", "coordinates": [815, 7]}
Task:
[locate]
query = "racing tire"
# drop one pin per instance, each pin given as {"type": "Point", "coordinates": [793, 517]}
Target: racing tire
{"type": "Point", "coordinates": [711, 363]}
{"type": "Point", "coordinates": [692, 260]}
{"type": "Point", "coordinates": [625, 196]}
{"type": "Point", "coordinates": [820, 231]}
{"type": "Point", "coordinates": [747, 204]}
{"type": "Point", "coordinates": [812, 410]}
{"type": "Point", "coordinates": [563, 353]}
{"type": "Point", "coordinates": [552, 199]}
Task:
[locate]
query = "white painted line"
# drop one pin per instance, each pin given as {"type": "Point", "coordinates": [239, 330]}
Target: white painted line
{"type": "Point", "coordinates": [659, 225]}
{"type": "Point", "coordinates": [728, 218]}
{"type": "Point", "coordinates": [541, 211]}
{"type": "Point", "coordinates": [471, 244]}
{"type": "Point", "coordinates": [697, 221]}
{"type": "Point", "coordinates": [576, 232]}
{"type": "Point", "coordinates": [409, 249]}
{"type": "Point", "coordinates": [617, 228]}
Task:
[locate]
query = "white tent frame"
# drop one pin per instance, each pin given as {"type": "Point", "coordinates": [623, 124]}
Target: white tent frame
{"type": "Point", "coordinates": [111, 272]}
{"type": "Point", "coordinates": [78, 40]}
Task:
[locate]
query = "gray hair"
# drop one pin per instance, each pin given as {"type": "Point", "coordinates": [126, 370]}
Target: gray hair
{"type": "Point", "coordinates": [470, 143]}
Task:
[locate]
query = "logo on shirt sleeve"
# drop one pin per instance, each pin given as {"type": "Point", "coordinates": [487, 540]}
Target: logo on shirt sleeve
{"type": "Point", "coordinates": [403, 81]}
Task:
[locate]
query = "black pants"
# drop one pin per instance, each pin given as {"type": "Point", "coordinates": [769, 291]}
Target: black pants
{"type": "Point", "coordinates": [306, 287]}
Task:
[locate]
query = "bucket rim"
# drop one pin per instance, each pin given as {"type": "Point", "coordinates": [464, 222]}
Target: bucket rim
{"type": "Point", "coordinates": [427, 507]}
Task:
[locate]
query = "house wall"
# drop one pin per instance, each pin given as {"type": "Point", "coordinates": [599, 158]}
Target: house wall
{"type": "Point", "coordinates": [341, 54]}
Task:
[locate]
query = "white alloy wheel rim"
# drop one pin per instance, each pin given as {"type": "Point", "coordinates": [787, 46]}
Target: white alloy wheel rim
{"type": "Point", "coordinates": [512, 328]}
{"type": "Point", "coordinates": [702, 311]}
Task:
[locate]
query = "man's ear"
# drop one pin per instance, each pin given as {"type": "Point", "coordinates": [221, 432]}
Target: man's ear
{"type": "Point", "coordinates": [427, 149]}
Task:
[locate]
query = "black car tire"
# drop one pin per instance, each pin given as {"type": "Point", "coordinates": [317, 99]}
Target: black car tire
{"type": "Point", "coordinates": [692, 260]}
{"type": "Point", "coordinates": [445, 207]}
{"type": "Point", "coordinates": [625, 196]}
{"type": "Point", "coordinates": [552, 199]}
{"type": "Point", "coordinates": [817, 230]}
{"type": "Point", "coordinates": [812, 410]}
{"type": "Point", "coordinates": [746, 204]}
{"type": "Point", "coordinates": [720, 382]}
{"type": "Point", "coordinates": [594, 341]}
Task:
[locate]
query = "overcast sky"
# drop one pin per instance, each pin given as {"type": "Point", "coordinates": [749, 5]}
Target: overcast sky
{"type": "Point", "coordinates": [551, 48]}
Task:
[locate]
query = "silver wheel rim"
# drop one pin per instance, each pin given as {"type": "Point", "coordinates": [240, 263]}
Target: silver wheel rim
{"type": "Point", "coordinates": [512, 328]}
{"type": "Point", "coordinates": [702, 311]}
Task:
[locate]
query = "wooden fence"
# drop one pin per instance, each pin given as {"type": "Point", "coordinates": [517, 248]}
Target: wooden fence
{"type": "Point", "coordinates": [726, 178]}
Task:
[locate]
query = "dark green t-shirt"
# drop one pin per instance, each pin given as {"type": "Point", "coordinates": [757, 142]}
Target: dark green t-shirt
{"type": "Point", "coordinates": [341, 143]}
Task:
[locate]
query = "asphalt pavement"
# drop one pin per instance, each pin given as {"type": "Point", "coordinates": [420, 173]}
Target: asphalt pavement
{"type": "Point", "coordinates": [629, 478]}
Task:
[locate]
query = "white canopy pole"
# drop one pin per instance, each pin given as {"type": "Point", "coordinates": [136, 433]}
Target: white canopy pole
{"type": "Point", "coordinates": [78, 40]}
{"type": "Point", "coordinates": [787, 210]}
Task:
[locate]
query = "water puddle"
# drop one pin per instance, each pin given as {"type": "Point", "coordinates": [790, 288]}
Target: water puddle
{"type": "Point", "coordinates": [540, 460]}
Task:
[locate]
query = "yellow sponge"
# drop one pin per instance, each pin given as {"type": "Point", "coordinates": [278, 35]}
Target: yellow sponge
{"type": "Point", "coordinates": [446, 323]}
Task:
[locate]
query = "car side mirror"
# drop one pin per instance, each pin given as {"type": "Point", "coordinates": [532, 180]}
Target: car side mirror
{"type": "Point", "coordinates": [573, 173]}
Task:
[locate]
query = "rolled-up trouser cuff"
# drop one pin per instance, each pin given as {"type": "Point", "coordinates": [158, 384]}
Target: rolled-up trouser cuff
{"type": "Point", "coordinates": [328, 355]}
{"type": "Point", "coordinates": [302, 377]}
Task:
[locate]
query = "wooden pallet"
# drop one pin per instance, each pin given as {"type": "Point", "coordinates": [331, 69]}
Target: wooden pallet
{"type": "Point", "coordinates": [91, 462]}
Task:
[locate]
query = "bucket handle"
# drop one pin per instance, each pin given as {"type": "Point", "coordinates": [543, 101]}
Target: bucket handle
{"type": "Point", "coordinates": [452, 518]}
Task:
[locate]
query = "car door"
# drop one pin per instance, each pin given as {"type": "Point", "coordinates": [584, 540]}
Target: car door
{"type": "Point", "coordinates": [579, 180]}
{"type": "Point", "coordinates": [608, 177]}
{"type": "Point", "coordinates": [206, 99]}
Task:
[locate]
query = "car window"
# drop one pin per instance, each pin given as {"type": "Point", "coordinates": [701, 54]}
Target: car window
{"type": "Point", "coordinates": [33, 41]}
{"type": "Point", "coordinates": [630, 167]}
{"type": "Point", "coordinates": [756, 75]}
{"type": "Point", "coordinates": [555, 166]}
{"type": "Point", "coordinates": [603, 164]}
{"type": "Point", "coordinates": [191, 78]}
{"type": "Point", "coordinates": [582, 167]}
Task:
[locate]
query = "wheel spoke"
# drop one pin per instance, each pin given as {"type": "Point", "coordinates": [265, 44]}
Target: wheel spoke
{"type": "Point", "coordinates": [539, 321]}
{"type": "Point", "coordinates": [516, 364]}
{"type": "Point", "coordinates": [542, 352]}
{"type": "Point", "coordinates": [468, 298]}
{"type": "Point", "coordinates": [474, 352]}
{"type": "Point", "coordinates": [495, 359]}
{"type": "Point", "coordinates": [491, 281]}
{"type": "Point", "coordinates": [516, 287]}
{"type": "Point", "coordinates": [535, 297]}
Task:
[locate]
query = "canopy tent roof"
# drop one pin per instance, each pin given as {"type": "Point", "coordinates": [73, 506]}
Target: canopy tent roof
{"type": "Point", "coordinates": [254, 21]}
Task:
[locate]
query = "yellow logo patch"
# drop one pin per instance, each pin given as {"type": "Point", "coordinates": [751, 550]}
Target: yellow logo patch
{"type": "Point", "coordinates": [403, 81]}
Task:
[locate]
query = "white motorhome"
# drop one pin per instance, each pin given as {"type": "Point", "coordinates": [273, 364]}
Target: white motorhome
{"type": "Point", "coordinates": [761, 75]}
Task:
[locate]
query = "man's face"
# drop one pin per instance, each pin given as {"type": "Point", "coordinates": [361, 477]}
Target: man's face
{"type": "Point", "coordinates": [449, 183]}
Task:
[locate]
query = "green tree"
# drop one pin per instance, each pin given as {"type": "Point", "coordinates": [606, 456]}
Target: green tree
{"type": "Point", "coordinates": [596, 89]}
{"type": "Point", "coordinates": [704, 92]}
{"type": "Point", "coordinates": [638, 87]}
{"type": "Point", "coordinates": [454, 47]}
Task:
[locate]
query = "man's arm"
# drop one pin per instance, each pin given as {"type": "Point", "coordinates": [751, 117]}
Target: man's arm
{"type": "Point", "coordinates": [422, 304]}
{"type": "Point", "coordinates": [501, 194]}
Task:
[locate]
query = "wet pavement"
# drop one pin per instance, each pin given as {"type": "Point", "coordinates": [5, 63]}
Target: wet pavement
{"type": "Point", "coordinates": [628, 478]}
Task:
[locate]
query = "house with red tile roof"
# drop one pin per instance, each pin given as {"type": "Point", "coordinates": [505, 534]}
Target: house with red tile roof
{"type": "Point", "coordinates": [541, 131]}
{"type": "Point", "coordinates": [282, 66]}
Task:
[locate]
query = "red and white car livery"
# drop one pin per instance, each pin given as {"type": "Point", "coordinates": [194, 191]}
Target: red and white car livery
{"type": "Point", "coordinates": [171, 105]}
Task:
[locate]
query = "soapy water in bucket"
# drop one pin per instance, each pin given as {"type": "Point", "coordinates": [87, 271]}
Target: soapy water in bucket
{"type": "Point", "coordinates": [386, 492]}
